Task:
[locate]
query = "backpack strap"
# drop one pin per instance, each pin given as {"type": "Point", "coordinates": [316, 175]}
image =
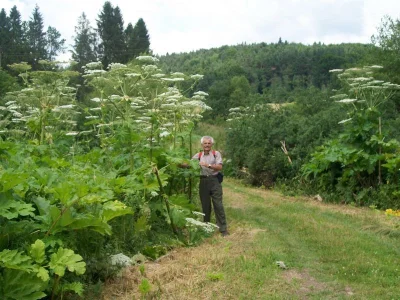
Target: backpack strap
{"type": "Point", "coordinates": [201, 153]}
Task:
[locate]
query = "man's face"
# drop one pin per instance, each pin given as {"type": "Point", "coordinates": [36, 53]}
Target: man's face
{"type": "Point", "coordinates": [206, 145]}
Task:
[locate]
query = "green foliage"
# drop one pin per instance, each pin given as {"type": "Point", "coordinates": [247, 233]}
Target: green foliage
{"type": "Point", "coordinates": [32, 271]}
{"type": "Point", "coordinates": [66, 259]}
{"type": "Point", "coordinates": [387, 39]}
{"type": "Point", "coordinates": [275, 73]}
{"type": "Point", "coordinates": [215, 276]}
{"type": "Point", "coordinates": [354, 165]}
{"type": "Point", "coordinates": [145, 287]}
{"type": "Point", "coordinates": [7, 83]}
{"type": "Point", "coordinates": [77, 197]}
{"type": "Point", "coordinates": [75, 287]}
{"type": "Point", "coordinates": [14, 259]}
{"type": "Point", "coordinates": [256, 136]}
{"type": "Point", "coordinates": [17, 285]}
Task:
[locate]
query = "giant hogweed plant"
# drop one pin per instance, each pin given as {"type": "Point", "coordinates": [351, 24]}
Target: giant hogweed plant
{"type": "Point", "coordinates": [42, 206]}
{"type": "Point", "coordinates": [140, 97]}
{"type": "Point", "coordinates": [143, 121]}
{"type": "Point", "coordinates": [361, 159]}
{"type": "Point", "coordinates": [43, 108]}
{"type": "Point", "coordinates": [48, 194]}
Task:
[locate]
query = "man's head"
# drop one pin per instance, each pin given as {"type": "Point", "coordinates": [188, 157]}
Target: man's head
{"type": "Point", "coordinates": [206, 143]}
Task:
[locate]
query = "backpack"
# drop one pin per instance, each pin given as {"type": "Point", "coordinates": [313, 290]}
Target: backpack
{"type": "Point", "coordinates": [220, 175]}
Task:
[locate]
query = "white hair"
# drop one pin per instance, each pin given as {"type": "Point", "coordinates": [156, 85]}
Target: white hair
{"type": "Point", "coordinates": [206, 137]}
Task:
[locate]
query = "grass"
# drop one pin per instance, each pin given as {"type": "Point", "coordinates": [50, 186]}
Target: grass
{"type": "Point", "coordinates": [331, 251]}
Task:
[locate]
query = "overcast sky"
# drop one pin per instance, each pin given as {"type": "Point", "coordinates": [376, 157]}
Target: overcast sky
{"type": "Point", "coordinates": [186, 25]}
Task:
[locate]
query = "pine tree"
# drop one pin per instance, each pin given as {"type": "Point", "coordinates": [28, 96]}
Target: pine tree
{"type": "Point", "coordinates": [4, 37]}
{"type": "Point", "coordinates": [141, 38]}
{"type": "Point", "coordinates": [18, 46]}
{"type": "Point", "coordinates": [119, 39]}
{"type": "Point", "coordinates": [85, 47]}
{"type": "Point", "coordinates": [55, 43]}
{"type": "Point", "coordinates": [110, 27]}
{"type": "Point", "coordinates": [36, 38]}
{"type": "Point", "coordinates": [130, 42]}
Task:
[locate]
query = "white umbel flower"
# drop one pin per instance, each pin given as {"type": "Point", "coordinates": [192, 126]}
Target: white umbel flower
{"type": "Point", "coordinates": [120, 259]}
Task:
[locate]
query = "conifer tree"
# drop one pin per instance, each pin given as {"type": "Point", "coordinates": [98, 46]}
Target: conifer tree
{"type": "Point", "coordinates": [36, 38]}
{"type": "Point", "coordinates": [55, 43]}
{"type": "Point", "coordinates": [85, 46]}
{"type": "Point", "coordinates": [130, 42]}
{"type": "Point", "coordinates": [4, 37]}
{"type": "Point", "coordinates": [18, 46]}
{"type": "Point", "coordinates": [110, 27]}
{"type": "Point", "coordinates": [141, 38]}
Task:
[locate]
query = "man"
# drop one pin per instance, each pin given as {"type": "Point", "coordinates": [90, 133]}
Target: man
{"type": "Point", "coordinates": [210, 188]}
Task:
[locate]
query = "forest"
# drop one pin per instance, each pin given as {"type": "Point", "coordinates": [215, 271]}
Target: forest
{"type": "Point", "coordinates": [90, 150]}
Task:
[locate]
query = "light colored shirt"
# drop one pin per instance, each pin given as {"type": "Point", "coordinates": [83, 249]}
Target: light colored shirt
{"type": "Point", "coordinates": [209, 159]}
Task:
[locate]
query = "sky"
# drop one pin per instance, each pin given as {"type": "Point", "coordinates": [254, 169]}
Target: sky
{"type": "Point", "coordinates": [177, 26]}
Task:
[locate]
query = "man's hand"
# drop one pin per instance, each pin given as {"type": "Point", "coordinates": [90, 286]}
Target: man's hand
{"type": "Point", "coordinates": [203, 164]}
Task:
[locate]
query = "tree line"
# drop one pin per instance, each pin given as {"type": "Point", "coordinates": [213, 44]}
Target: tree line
{"type": "Point", "coordinates": [110, 42]}
{"type": "Point", "coordinates": [247, 74]}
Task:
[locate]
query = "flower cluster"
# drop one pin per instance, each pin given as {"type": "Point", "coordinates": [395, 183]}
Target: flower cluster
{"type": "Point", "coordinates": [207, 227]}
{"type": "Point", "coordinates": [391, 212]}
{"type": "Point", "coordinates": [120, 259]}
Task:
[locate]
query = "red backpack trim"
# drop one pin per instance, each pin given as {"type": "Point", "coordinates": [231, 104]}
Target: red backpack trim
{"type": "Point", "coordinates": [201, 153]}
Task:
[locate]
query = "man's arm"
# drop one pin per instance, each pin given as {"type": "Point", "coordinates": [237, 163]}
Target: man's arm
{"type": "Point", "coordinates": [186, 165]}
{"type": "Point", "coordinates": [215, 167]}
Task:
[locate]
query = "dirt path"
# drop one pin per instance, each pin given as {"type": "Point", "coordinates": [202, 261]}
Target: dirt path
{"type": "Point", "coordinates": [187, 273]}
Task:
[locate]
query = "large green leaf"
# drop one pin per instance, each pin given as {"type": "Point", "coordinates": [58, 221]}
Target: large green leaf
{"type": "Point", "coordinates": [14, 259]}
{"type": "Point", "coordinates": [42, 204]}
{"type": "Point", "coordinates": [76, 287]}
{"type": "Point", "coordinates": [93, 223]}
{"type": "Point", "coordinates": [46, 176]}
{"type": "Point", "coordinates": [67, 259]}
{"type": "Point", "coordinates": [19, 285]}
{"type": "Point", "coordinates": [10, 179]}
{"type": "Point", "coordinates": [65, 192]}
{"type": "Point", "coordinates": [12, 209]}
{"type": "Point", "coordinates": [67, 218]}
{"type": "Point", "coordinates": [37, 251]}
{"type": "Point", "coordinates": [113, 209]}
{"type": "Point", "coordinates": [42, 273]}
{"type": "Point", "coordinates": [181, 200]}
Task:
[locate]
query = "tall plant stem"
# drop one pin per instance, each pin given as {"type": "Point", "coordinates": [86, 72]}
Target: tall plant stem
{"type": "Point", "coordinates": [151, 142]}
{"type": "Point", "coordinates": [41, 130]}
{"type": "Point", "coordinates": [190, 155]}
{"type": "Point", "coordinates": [155, 170]}
{"type": "Point", "coordinates": [55, 284]}
{"type": "Point", "coordinates": [56, 221]}
{"type": "Point", "coordinates": [174, 130]}
{"type": "Point", "coordinates": [380, 153]}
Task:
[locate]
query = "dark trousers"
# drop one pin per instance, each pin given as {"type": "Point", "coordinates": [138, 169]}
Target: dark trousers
{"type": "Point", "coordinates": [211, 189]}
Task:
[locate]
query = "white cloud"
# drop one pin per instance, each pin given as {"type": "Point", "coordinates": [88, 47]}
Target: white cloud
{"type": "Point", "coordinates": [186, 25]}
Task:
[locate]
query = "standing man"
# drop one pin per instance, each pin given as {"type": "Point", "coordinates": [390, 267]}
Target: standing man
{"type": "Point", "coordinates": [210, 188]}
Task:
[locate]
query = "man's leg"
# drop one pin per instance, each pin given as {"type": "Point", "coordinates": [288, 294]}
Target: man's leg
{"type": "Point", "coordinates": [205, 198]}
{"type": "Point", "coordinates": [216, 194]}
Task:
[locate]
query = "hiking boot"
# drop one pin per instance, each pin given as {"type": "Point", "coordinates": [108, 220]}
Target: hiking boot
{"type": "Point", "coordinates": [224, 233]}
